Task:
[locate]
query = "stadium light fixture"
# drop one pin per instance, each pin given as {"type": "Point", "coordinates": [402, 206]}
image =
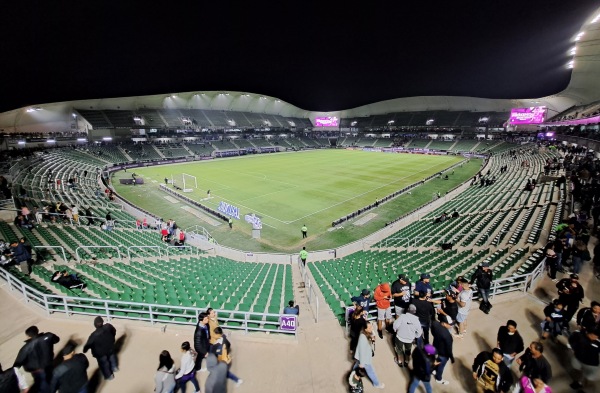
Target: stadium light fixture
{"type": "Point", "coordinates": [390, 122]}
{"type": "Point", "coordinates": [354, 123]}
{"type": "Point", "coordinates": [573, 51]}
{"type": "Point", "coordinates": [34, 109]}
{"type": "Point", "coordinates": [50, 140]}
{"type": "Point", "coordinates": [596, 19]}
{"type": "Point", "coordinates": [579, 35]}
{"type": "Point", "coordinates": [81, 140]}
{"type": "Point", "coordinates": [21, 142]}
{"type": "Point", "coordinates": [570, 64]}
{"type": "Point", "coordinates": [107, 138]}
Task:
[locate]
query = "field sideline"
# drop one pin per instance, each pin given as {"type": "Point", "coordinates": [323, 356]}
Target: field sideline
{"type": "Point", "coordinates": [291, 189]}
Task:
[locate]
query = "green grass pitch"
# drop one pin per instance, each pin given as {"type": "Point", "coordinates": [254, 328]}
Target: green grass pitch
{"type": "Point", "coordinates": [291, 189]}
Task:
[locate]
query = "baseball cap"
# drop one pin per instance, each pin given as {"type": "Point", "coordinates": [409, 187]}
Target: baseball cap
{"type": "Point", "coordinates": [412, 309]}
{"type": "Point", "coordinates": [429, 349]}
{"type": "Point", "coordinates": [365, 292]}
{"type": "Point", "coordinates": [574, 276]}
{"type": "Point", "coordinates": [425, 275]}
{"type": "Point", "coordinates": [485, 264]}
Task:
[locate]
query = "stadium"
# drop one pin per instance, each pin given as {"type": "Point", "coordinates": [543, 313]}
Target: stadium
{"type": "Point", "coordinates": [166, 205]}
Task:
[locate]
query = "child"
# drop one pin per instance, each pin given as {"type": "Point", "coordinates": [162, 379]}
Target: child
{"type": "Point", "coordinates": [355, 380]}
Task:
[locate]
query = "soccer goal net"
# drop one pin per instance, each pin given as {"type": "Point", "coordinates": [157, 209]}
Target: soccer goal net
{"type": "Point", "coordinates": [189, 181]}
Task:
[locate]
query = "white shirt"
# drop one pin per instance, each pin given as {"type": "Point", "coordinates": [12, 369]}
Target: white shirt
{"type": "Point", "coordinates": [465, 296]}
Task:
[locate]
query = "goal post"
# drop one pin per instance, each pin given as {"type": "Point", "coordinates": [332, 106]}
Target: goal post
{"type": "Point", "coordinates": [189, 181]}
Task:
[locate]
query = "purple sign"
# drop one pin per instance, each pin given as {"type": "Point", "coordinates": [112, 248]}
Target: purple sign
{"type": "Point", "coordinates": [287, 323]}
{"type": "Point", "coordinates": [531, 115]}
{"type": "Point", "coordinates": [326, 121]}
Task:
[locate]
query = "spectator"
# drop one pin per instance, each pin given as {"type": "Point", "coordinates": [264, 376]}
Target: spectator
{"type": "Point", "coordinates": [187, 370]}
{"type": "Point", "coordinates": [586, 357]}
{"type": "Point", "coordinates": [382, 296]}
{"type": "Point", "coordinates": [443, 342]}
{"type": "Point", "coordinates": [102, 344]}
{"type": "Point", "coordinates": [292, 309]}
{"type": "Point", "coordinates": [533, 364]}
{"type": "Point", "coordinates": [12, 381]}
{"type": "Point", "coordinates": [364, 355]}
{"type": "Point", "coordinates": [164, 379]}
{"type": "Point", "coordinates": [483, 278]}
{"type": "Point", "coordinates": [355, 380]}
{"type": "Point", "coordinates": [425, 313]}
{"type": "Point", "coordinates": [222, 350]}
{"type": "Point", "coordinates": [553, 319]}
{"type": "Point", "coordinates": [580, 254]}
{"type": "Point", "coordinates": [408, 329]}
{"type": "Point", "coordinates": [71, 374]}
{"type": "Point", "coordinates": [588, 318]}
{"type": "Point", "coordinates": [358, 321]}
{"type": "Point", "coordinates": [201, 339]}
{"type": "Point", "coordinates": [36, 357]}
{"type": "Point", "coordinates": [423, 286]}
{"type": "Point", "coordinates": [490, 372]}
{"type": "Point", "coordinates": [570, 294]}
{"type": "Point", "coordinates": [363, 300]}
{"type": "Point", "coordinates": [217, 379]}
{"type": "Point", "coordinates": [424, 362]}
{"type": "Point", "coordinates": [509, 341]}
{"type": "Point", "coordinates": [529, 385]}
{"type": "Point", "coordinates": [401, 294]}
{"type": "Point", "coordinates": [465, 297]}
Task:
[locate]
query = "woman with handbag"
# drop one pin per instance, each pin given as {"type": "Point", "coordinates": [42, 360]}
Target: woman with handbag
{"type": "Point", "coordinates": [364, 355]}
{"type": "Point", "coordinates": [187, 370]}
{"type": "Point", "coordinates": [165, 374]}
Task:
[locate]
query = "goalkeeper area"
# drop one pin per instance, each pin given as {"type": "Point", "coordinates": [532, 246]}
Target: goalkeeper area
{"type": "Point", "coordinates": [289, 190]}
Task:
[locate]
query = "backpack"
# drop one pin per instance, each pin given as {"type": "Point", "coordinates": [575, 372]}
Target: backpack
{"type": "Point", "coordinates": [490, 375]}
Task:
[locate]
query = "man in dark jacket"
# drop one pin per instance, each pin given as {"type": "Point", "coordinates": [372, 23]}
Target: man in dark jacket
{"type": "Point", "coordinates": [510, 341]}
{"type": "Point", "coordinates": [442, 341]}
{"type": "Point", "coordinates": [490, 372]}
{"type": "Point", "coordinates": [12, 381]}
{"type": "Point", "coordinates": [533, 364]}
{"type": "Point", "coordinates": [217, 379]}
{"type": "Point", "coordinates": [36, 357]}
{"type": "Point", "coordinates": [102, 344]}
{"type": "Point", "coordinates": [588, 318]}
{"type": "Point", "coordinates": [424, 363]}
{"type": "Point", "coordinates": [401, 294]}
{"type": "Point", "coordinates": [425, 313]}
{"type": "Point", "coordinates": [483, 278]}
{"type": "Point", "coordinates": [586, 357]}
{"type": "Point", "coordinates": [570, 294]}
{"type": "Point", "coordinates": [201, 339]}
{"type": "Point", "coordinates": [71, 375]}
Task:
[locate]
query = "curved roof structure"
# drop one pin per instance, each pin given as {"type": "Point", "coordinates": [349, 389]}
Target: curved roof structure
{"type": "Point", "coordinates": [584, 87]}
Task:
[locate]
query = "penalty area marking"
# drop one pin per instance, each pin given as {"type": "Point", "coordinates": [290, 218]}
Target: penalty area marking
{"type": "Point", "coordinates": [171, 199]}
{"type": "Point", "coordinates": [202, 216]}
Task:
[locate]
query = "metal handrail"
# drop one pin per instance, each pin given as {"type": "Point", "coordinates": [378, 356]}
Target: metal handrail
{"type": "Point", "coordinates": [130, 247]}
{"type": "Point", "coordinates": [197, 253]}
{"type": "Point", "coordinates": [59, 247]}
{"type": "Point", "coordinates": [88, 247]}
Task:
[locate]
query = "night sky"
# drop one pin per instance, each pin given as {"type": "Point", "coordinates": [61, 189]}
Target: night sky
{"type": "Point", "coordinates": [318, 56]}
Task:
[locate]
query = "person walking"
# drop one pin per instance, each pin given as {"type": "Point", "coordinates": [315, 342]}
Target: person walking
{"type": "Point", "coordinates": [213, 323]}
{"type": "Point", "coordinates": [71, 375]}
{"type": "Point", "coordinates": [36, 357]}
{"type": "Point", "coordinates": [483, 278]}
{"type": "Point", "coordinates": [570, 295]}
{"type": "Point", "coordinates": [408, 329]}
{"type": "Point", "coordinates": [553, 320]}
{"type": "Point", "coordinates": [304, 231]}
{"type": "Point", "coordinates": [164, 379]}
{"type": "Point", "coordinates": [443, 342]}
{"type": "Point", "coordinates": [303, 256]}
{"type": "Point", "coordinates": [586, 357]}
{"type": "Point", "coordinates": [13, 381]}
{"type": "Point", "coordinates": [102, 344]}
{"type": "Point", "coordinates": [222, 350]}
{"type": "Point", "coordinates": [230, 222]}
{"type": "Point", "coordinates": [216, 382]}
{"type": "Point", "coordinates": [509, 341]}
{"type": "Point", "coordinates": [490, 373]}
{"type": "Point", "coordinates": [382, 296]}
{"type": "Point", "coordinates": [533, 364]}
{"type": "Point", "coordinates": [364, 355]}
{"type": "Point", "coordinates": [465, 297]}
{"type": "Point", "coordinates": [201, 339]}
{"type": "Point", "coordinates": [187, 370]}
{"type": "Point", "coordinates": [424, 362]}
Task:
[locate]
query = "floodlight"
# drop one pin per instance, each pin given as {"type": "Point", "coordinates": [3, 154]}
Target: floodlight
{"type": "Point", "coordinates": [81, 140]}
{"type": "Point", "coordinates": [579, 35]}
{"type": "Point", "coordinates": [21, 142]}
{"type": "Point", "coordinates": [107, 138]}
{"type": "Point", "coordinates": [33, 109]}
{"type": "Point", "coordinates": [572, 51]}
{"type": "Point", "coordinates": [50, 141]}
{"type": "Point", "coordinates": [354, 123]}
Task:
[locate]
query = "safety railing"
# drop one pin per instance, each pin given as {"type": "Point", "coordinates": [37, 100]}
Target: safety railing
{"type": "Point", "coordinates": [154, 313]}
{"type": "Point", "coordinates": [194, 250]}
{"type": "Point", "coordinates": [61, 248]}
{"type": "Point", "coordinates": [95, 247]}
{"type": "Point", "coordinates": [143, 247]}
{"type": "Point", "coordinates": [311, 294]}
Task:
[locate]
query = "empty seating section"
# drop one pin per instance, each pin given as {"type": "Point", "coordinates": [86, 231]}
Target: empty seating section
{"type": "Point", "coordinates": [308, 142]}
{"type": "Point", "coordinates": [151, 118]}
{"type": "Point", "coordinates": [224, 144]}
{"type": "Point", "coordinates": [440, 145]}
{"type": "Point", "coordinates": [243, 143]}
{"type": "Point", "coordinates": [464, 145]}
{"type": "Point", "coordinates": [173, 118]}
{"type": "Point", "coordinates": [96, 118]}
{"type": "Point", "coordinates": [142, 152]}
{"type": "Point", "coordinates": [258, 142]}
{"type": "Point", "coordinates": [383, 142]}
{"type": "Point", "coordinates": [173, 150]}
{"type": "Point", "coordinates": [239, 119]}
{"type": "Point", "coordinates": [111, 153]}
{"type": "Point", "coordinates": [201, 149]}
{"type": "Point", "coordinates": [119, 118]}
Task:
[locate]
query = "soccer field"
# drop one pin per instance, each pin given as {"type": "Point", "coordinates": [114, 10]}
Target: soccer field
{"type": "Point", "coordinates": [289, 190]}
